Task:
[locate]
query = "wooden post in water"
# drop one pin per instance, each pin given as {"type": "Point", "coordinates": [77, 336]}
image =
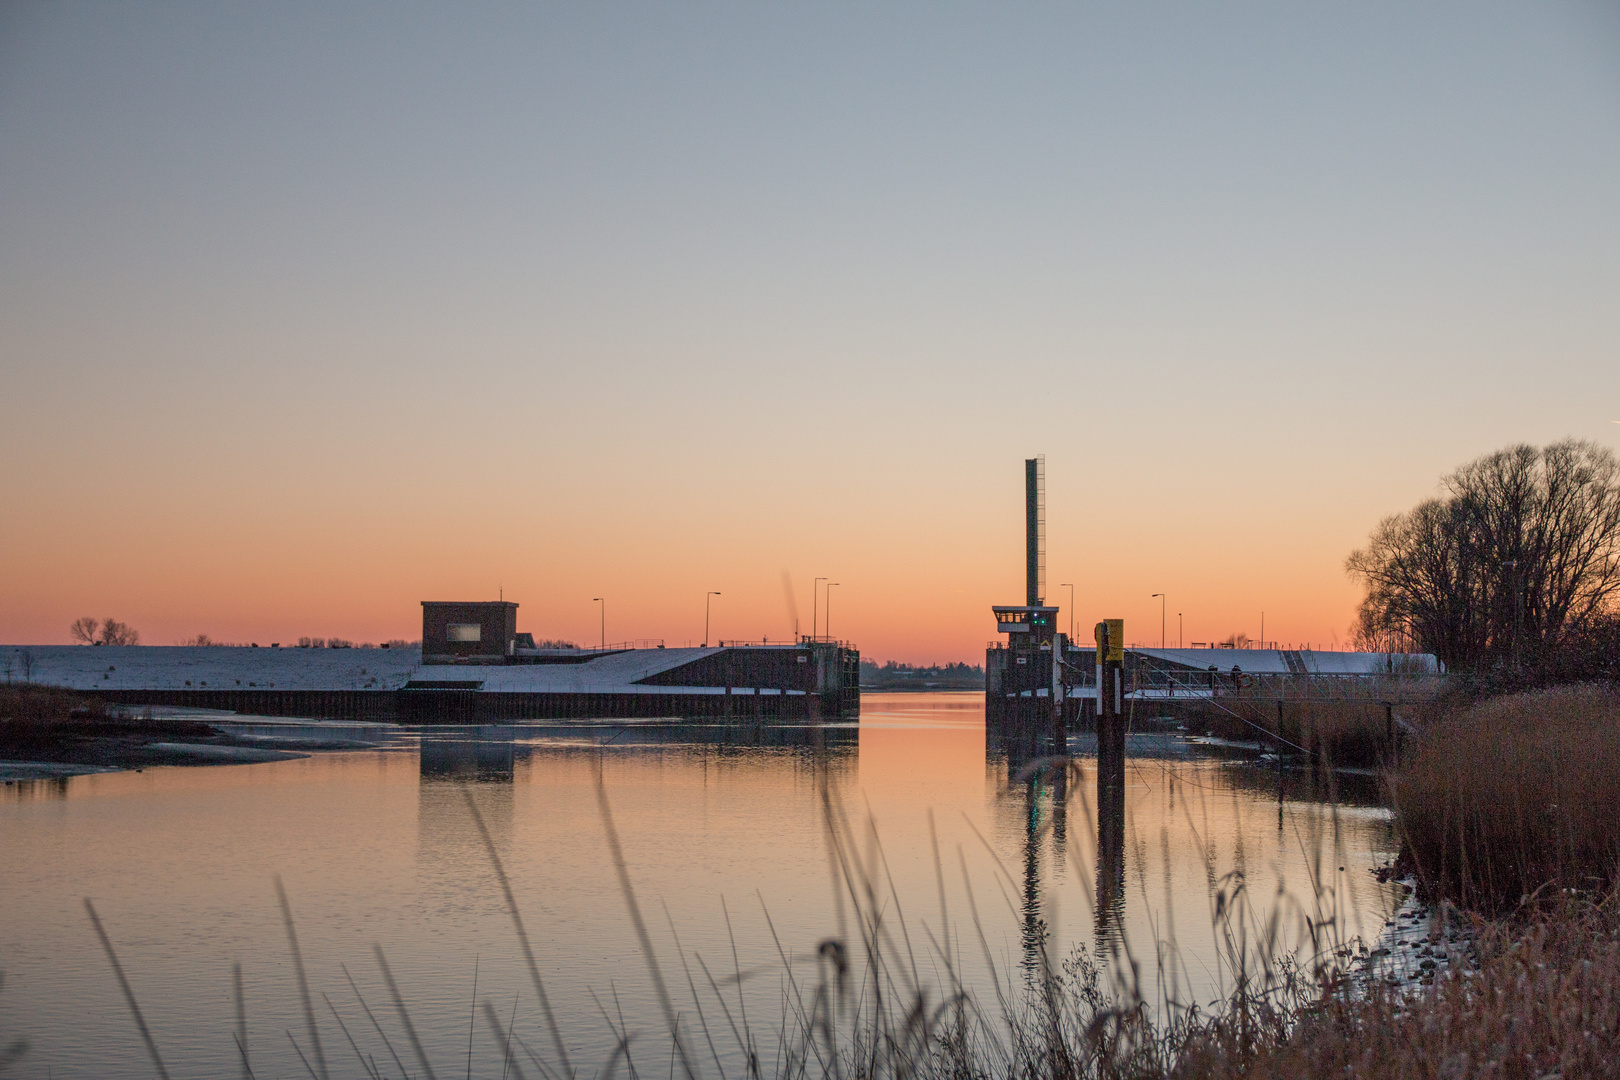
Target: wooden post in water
{"type": "Point", "coordinates": [1110, 721]}
{"type": "Point", "coordinates": [1110, 635]}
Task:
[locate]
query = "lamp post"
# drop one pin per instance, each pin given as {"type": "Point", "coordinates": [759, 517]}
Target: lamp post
{"type": "Point", "coordinates": [1180, 626]}
{"type": "Point", "coordinates": [1160, 595]}
{"type": "Point", "coordinates": [706, 616]}
{"type": "Point", "coordinates": [1066, 585]}
{"type": "Point", "coordinates": [830, 585]}
{"type": "Point", "coordinates": [815, 600]}
{"type": "Point", "coordinates": [600, 600]}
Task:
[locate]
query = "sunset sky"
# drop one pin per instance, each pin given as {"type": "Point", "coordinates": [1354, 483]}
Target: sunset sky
{"type": "Point", "coordinates": [310, 312]}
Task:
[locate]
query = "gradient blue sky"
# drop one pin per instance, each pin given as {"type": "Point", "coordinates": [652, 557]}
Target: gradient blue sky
{"type": "Point", "coordinates": [309, 312]}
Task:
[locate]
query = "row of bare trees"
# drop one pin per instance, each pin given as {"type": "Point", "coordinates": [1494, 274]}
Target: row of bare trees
{"type": "Point", "coordinates": [1518, 558]}
{"type": "Point", "coordinates": [88, 631]}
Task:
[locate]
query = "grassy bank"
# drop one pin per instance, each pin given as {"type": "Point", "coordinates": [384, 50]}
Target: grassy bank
{"type": "Point", "coordinates": [39, 723]}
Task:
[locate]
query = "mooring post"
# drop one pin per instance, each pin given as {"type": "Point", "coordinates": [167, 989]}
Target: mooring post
{"type": "Point", "coordinates": [1110, 635]}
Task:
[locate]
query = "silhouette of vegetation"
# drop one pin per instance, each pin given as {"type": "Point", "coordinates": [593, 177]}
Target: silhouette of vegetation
{"type": "Point", "coordinates": [39, 723]}
{"type": "Point", "coordinates": [1516, 565]}
{"type": "Point", "coordinates": [1508, 798]}
{"type": "Point", "coordinates": [897, 676]}
{"type": "Point", "coordinates": [88, 631]}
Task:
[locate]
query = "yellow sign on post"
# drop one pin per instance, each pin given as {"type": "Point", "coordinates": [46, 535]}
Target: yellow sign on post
{"type": "Point", "coordinates": [1111, 640]}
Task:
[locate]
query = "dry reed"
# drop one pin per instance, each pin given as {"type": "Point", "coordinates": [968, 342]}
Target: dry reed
{"type": "Point", "coordinates": [1514, 797]}
{"type": "Point", "coordinates": [1543, 1001]}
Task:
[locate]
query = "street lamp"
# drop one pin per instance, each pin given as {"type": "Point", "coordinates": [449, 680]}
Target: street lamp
{"type": "Point", "coordinates": [600, 600]}
{"type": "Point", "coordinates": [706, 616]}
{"type": "Point", "coordinates": [830, 585]}
{"type": "Point", "coordinates": [1066, 585]}
{"type": "Point", "coordinates": [1160, 595]}
{"type": "Point", "coordinates": [1179, 627]}
{"type": "Point", "coordinates": [815, 601]}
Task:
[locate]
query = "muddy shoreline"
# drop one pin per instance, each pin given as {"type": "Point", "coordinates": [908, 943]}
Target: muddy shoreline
{"type": "Point", "coordinates": [115, 745]}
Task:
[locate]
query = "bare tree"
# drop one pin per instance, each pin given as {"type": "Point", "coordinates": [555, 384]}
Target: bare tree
{"type": "Point", "coordinates": [1520, 555]}
{"type": "Point", "coordinates": [85, 631]}
{"type": "Point", "coordinates": [114, 632]}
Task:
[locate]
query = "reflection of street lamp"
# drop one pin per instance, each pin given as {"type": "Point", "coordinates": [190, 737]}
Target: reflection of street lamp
{"type": "Point", "coordinates": [599, 600]}
{"type": "Point", "coordinates": [706, 617]}
{"type": "Point", "coordinates": [815, 601]}
{"type": "Point", "coordinates": [1160, 595]}
{"type": "Point", "coordinates": [1066, 585]}
{"type": "Point", "coordinates": [830, 585]}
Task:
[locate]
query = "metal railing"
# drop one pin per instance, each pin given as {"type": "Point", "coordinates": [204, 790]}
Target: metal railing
{"type": "Point", "coordinates": [613, 646]}
{"type": "Point", "coordinates": [1379, 687]}
{"type": "Point", "coordinates": [751, 643]}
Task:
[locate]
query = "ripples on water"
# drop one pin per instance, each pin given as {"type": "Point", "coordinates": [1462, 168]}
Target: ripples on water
{"type": "Point", "coordinates": [377, 846]}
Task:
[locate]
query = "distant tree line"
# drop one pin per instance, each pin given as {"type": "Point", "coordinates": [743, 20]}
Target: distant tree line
{"type": "Point", "coordinates": [1516, 566]}
{"type": "Point", "coordinates": [940, 676]}
{"type": "Point", "coordinates": [89, 631]}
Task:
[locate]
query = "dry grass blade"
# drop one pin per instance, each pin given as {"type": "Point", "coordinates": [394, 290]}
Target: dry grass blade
{"type": "Point", "coordinates": [714, 988]}
{"type": "Point", "coordinates": [381, 1034]}
{"type": "Point", "coordinates": [299, 1051]}
{"type": "Point", "coordinates": [129, 995]}
{"type": "Point", "coordinates": [472, 1016]}
{"type": "Point", "coordinates": [404, 1013]}
{"type": "Point", "coordinates": [653, 968]}
{"type": "Point", "coordinates": [503, 1037]}
{"type": "Point", "coordinates": [303, 981]}
{"type": "Point", "coordinates": [247, 1070]}
{"type": "Point", "coordinates": [522, 935]}
{"type": "Point", "coordinates": [241, 1019]}
{"type": "Point", "coordinates": [686, 967]}
{"type": "Point", "coordinates": [352, 1044]}
{"type": "Point", "coordinates": [742, 1004]}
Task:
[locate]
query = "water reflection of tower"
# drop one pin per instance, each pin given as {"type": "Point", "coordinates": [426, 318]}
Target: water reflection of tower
{"type": "Point", "coordinates": [1033, 933]}
{"type": "Point", "coordinates": [480, 760]}
{"type": "Point", "coordinates": [484, 754]}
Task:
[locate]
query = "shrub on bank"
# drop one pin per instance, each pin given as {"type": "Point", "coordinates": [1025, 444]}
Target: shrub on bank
{"type": "Point", "coordinates": [49, 724]}
{"type": "Point", "coordinates": [34, 717]}
{"type": "Point", "coordinates": [1515, 796]}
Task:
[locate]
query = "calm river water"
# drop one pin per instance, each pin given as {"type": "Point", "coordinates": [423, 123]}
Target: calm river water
{"type": "Point", "coordinates": [377, 847]}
